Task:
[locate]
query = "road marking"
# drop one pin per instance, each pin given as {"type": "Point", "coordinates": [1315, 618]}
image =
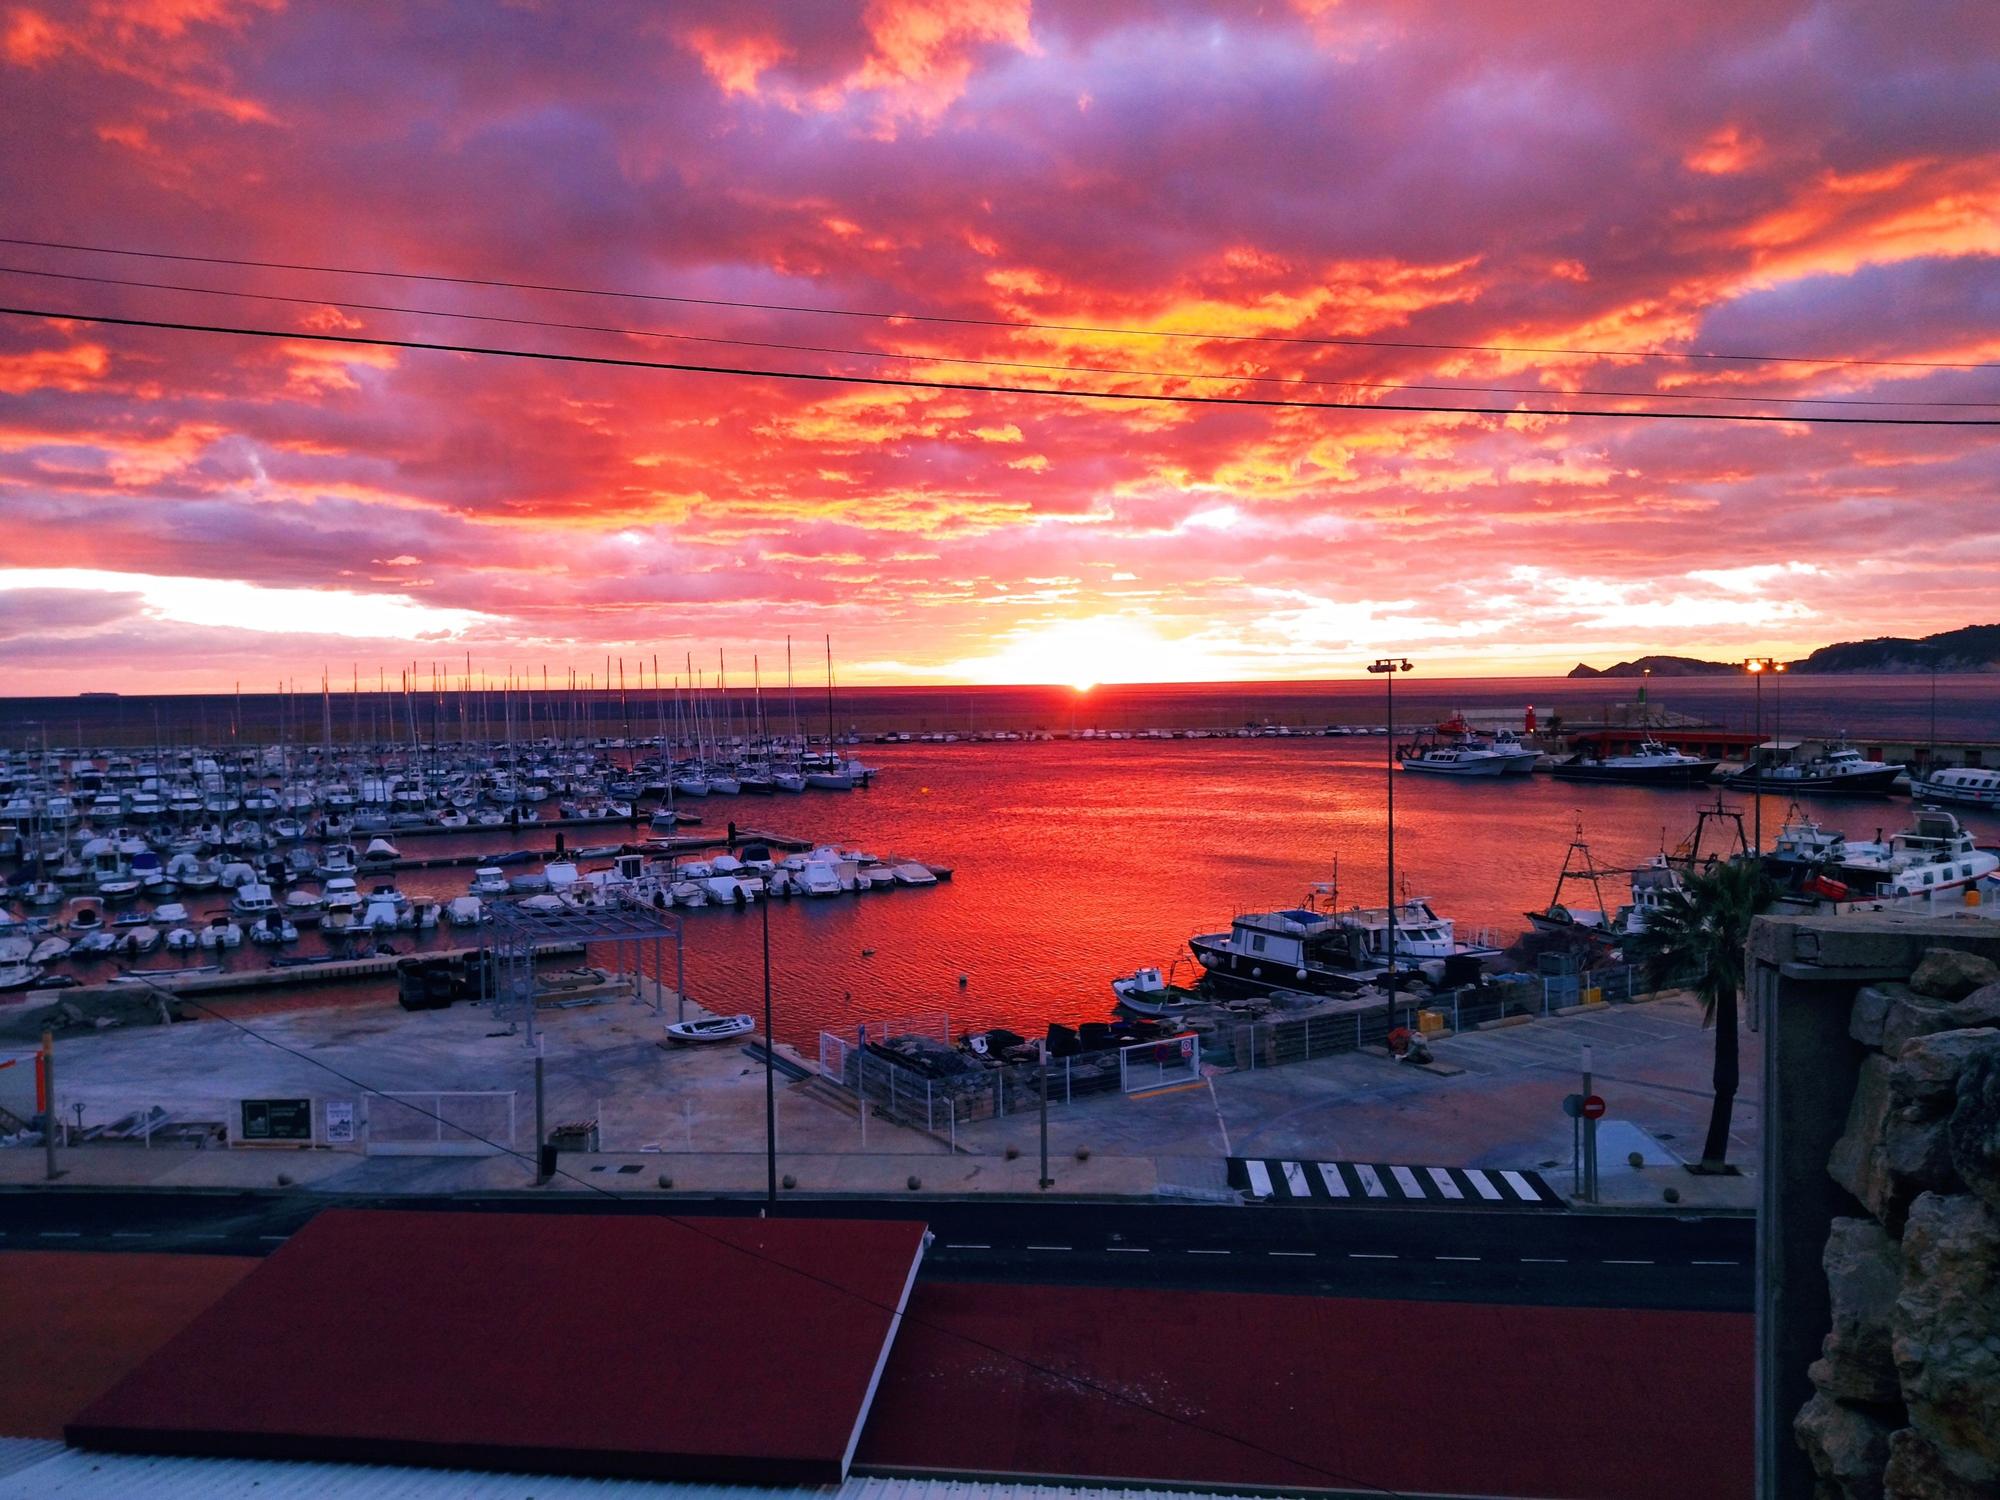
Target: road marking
{"type": "Point", "coordinates": [1367, 1255]}
{"type": "Point", "coordinates": [1481, 1185]}
{"type": "Point", "coordinates": [1370, 1183]}
{"type": "Point", "coordinates": [1627, 1262]}
{"type": "Point", "coordinates": [1128, 1249]}
{"type": "Point", "coordinates": [1543, 1260]}
{"type": "Point", "coordinates": [279, 1237]}
{"type": "Point", "coordinates": [1458, 1257]}
{"type": "Point", "coordinates": [1407, 1181]}
{"type": "Point", "coordinates": [1335, 1183]}
{"type": "Point", "coordinates": [208, 1236]}
{"type": "Point", "coordinates": [1445, 1185]}
{"type": "Point", "coordinates": [1295, 1179]}
{"type": "Point", "coordinates": [1522, 1186]}
{"type": "Point", "coordinates": [1308, 1254]}
{"type": "Point", "coordinates": [1260, 1178]}
{"type": "Point", "coordinates": [1048, 1247]}
{"type": "Point", "coordinates": [61, 1234]}
{"type": "Point", "coordinates": [950, 1246]}
{"type": "Point", "coordinates": [1716, 1263]}
{"type": "Point", "coordinates": [1208, 1252]}
{"type": "Point", "coordinates": [131, 1234]}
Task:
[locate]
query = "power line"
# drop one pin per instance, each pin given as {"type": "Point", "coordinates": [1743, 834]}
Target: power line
{"type": "Point", "coordinates": [908, 383]}
{"type": "Point", "coordinates": [955, 359]}
{"type": "Point", "coordinates": [909, 317]}
{"type": "Point", "coordinates": [1068, 1377]}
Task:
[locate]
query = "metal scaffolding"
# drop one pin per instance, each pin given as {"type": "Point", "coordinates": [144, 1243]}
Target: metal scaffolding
{"type": "Point", "coordinates": [520, 931]}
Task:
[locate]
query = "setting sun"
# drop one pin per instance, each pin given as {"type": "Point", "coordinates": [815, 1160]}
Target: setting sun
{"type": "Point", "coordinates": [1083, 654]}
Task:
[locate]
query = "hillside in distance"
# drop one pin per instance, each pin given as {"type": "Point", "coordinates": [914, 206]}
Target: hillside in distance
{"type": "Point", "coordinates": [1971, 648]}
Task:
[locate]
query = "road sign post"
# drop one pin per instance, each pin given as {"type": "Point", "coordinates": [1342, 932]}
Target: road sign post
{"type": "Point", "coordinates": [1589, 1134]}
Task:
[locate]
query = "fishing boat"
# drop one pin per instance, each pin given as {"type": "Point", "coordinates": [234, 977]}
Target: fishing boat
{"type": "Point", "coordinates": [1652, 764]}
{"type": "Point", "coordinates": [710, 1029]}
{"type": "Point", "coordinates": [1839, 771]}
{"type": "Point", "coordinates": [1147, 992]}
{"type": "Point", "coordinates": [1453, 760]}
{"type": "Point", "coordinates": [1330, 952]}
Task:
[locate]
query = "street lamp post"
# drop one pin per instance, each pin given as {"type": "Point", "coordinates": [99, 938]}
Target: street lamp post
{"type": "Point", "coordinates": [1757, 666]}
{"type": "Point", "coordinates": [770, 1063]}
{"type": "Point", "coordinates": [1387, 667]}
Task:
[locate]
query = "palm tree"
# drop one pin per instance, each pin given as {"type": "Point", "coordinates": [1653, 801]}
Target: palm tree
{"type": "Point", "coordinates": [1698, 935]}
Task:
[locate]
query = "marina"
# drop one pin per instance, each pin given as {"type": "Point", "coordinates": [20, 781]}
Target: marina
{"type": "Point", "coordinates": [1164, 843]}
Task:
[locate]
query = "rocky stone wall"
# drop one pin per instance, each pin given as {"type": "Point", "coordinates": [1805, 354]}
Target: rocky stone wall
{"type": "Point", "coordinates": [1906, 1399]}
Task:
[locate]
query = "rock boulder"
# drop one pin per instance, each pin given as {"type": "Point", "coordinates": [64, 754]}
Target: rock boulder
{"type": "Point", "coordinates": [1917, 1472]}
{"type": "Point", "coordinates": [1950, 974]}
{"type": "Point", "coordinates": [1974, 1131]}
{"type": "Point", "coordinates": [1946, 1332]}
{"type": "Point", "coordinates": [1849, 1449]}
{"type": "Point", "coordinates": [1864, 1268]}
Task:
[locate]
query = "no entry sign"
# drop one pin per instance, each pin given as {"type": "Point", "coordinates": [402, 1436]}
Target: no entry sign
{"type": "Point", "coordinates": [1592, 1108]}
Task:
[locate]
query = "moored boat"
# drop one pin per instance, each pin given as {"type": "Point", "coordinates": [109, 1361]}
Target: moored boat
{"type": "Point", "coordinates": [710, 1029]}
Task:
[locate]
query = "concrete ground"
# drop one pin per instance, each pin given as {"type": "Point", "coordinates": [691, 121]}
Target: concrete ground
{"type": "Point", "coordinates": [696, 1115]}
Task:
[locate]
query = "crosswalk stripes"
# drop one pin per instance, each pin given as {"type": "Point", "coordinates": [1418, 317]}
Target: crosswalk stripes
{"type": "Point", "coordinates": [1365, 1184]}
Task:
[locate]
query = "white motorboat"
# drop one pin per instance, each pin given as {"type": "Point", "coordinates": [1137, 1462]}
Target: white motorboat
{"type": "Point", "coordinates": [302, 906]}
{"type": "Point", "coordinates": [727, 890]}
{"type": "Point", "coordinates": [339, 901]}
{"type": "Point", "coordinates": [182, 940]}
{"type": "Point", "coordinates": [1840, 770]}
{"type": "Point", "coordinates": [380, 852]}
{"type": "Point", "coordinates": [489, 880]}
{"type": "Point", "coordinates": [818, 878]}
{"type": "Point", "coordinates": [220, 933]}
{"type": "Point", "coordinates": [1934, 860]}
{"type": "Point", "coordinates": [252, 900]}
{"type": "Point", "coordinates": [710, 1029]}
{"type": "Point", "coordinates": [1965, 786]}
{"type": "Point", "coordinates": [335, 859]}
{"type": "Point", "coordinates": [909, 872]}
{"type": "Point", "coordinates": [271, 928]}
{"type": "Point", "coordinates": [687, 893]}
{"type": "Point", "coordinates": [48, 950]}
{"type": "Point", "coordinates": [1146, 992]}
{"type": "Point", "coordinates": [465, 911]}
{"type": "Point", "coordinates": [142, 939]}
{"type": "Point", "coordinates": [19, 976]}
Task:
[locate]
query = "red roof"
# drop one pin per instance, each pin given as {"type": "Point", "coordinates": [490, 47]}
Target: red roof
{"type": "Point", "coordinates": [721, 1349]}
{"type": "Point", "coordinates": [1229, 1389]}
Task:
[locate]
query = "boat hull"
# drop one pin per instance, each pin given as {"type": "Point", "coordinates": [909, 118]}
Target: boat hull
{"type": "Point", "coordinates": [1860, 784]}
{"type": "Point", "coordinates": [1695, 774]}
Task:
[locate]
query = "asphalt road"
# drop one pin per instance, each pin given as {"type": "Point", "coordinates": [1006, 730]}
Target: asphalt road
{"type": "Point", "coordinates": [1550, 1259]}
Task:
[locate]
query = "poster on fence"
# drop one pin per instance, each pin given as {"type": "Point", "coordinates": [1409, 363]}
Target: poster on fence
{"type": "Point", "coordinates": [339, 1122]}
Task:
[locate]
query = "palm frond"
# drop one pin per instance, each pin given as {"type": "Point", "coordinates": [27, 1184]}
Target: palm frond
{"type": "Point", "coordinates": [1698, 933]}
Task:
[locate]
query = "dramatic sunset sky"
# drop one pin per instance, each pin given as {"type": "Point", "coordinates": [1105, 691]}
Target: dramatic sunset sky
{"type": "Point", "coordinates": [182, 511]}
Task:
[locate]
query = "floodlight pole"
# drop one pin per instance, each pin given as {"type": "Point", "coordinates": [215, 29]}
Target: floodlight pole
{"type": "Point", "coordinates": [1387, 667]}
{"type": "Point", "coordinates": [1757, 666]}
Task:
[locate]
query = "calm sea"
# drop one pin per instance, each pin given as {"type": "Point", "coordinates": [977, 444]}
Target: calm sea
{"type": "Point", "coordinates": [1075, 862]}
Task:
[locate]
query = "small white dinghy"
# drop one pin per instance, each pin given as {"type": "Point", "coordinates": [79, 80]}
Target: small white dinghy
{"type": "Point", "coordinates": [713, 1029]}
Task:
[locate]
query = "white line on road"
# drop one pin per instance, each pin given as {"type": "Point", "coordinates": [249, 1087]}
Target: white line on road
{"type": "Point", "coordinates": [1308, 1254]}
{"type": "Point", "coordinates": [61, 1234]}
{"type": "Point", "coordinates": [1367, 1255]}
{"type": "Point", "coordinates": [131, 1234]}
{"type": "Point", "coordinates": [1208, 1252]}
{"type": "Point", "coordinates": [1128, 1249]}
{"type": "Point", "coordinates": [1543, 1260]}
{"type": "Point", "coordinates": [279, 1237]}
{"type": "Point", "coordinates": [1628, 1262]}
{"type": "Point", "coordinates": [1716, 1263]}
{"type": "Point", "coordinates": [1458, 1257]}
{"type": "Point", "coordinates": [1048, 1247]}
{"type": "Point", "coordinates": [950, 1246]}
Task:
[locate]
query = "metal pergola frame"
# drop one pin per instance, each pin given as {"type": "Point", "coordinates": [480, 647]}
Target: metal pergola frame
{"type": "Point", "coordinates": [516, 934]}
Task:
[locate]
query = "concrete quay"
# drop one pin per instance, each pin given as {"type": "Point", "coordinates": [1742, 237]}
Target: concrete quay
{"type": "Point", "coordinates": [695, 1116]}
